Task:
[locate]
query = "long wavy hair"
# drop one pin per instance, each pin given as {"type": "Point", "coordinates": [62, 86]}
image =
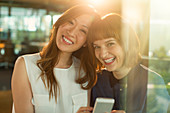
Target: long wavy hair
{"type": "Point", "coordinates": [113, 25]}
{"type": "Point", "coordinates": [50, 54]}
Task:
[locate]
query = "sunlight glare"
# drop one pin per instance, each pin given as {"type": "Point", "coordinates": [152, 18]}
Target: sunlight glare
{"type": "Point", "coordinates": [96, 2]}
{"type": "Point", "coordinates": [169, 83]}
{"type": "Point", "coordinates": [1, 29]}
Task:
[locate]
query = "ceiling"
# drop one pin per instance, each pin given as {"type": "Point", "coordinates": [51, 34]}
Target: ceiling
{"type": "Point", "coordinates": [60, 5]}
{"type": "Point", "coordinates": [52, 5]}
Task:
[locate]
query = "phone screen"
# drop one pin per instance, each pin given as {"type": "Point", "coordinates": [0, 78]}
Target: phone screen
{"type": "Point", "coordinates": [103, 105]}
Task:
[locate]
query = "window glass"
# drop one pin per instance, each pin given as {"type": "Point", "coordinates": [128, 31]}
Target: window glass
{"type": "Point", "coordinates": [151, 21]}
{"type": "Point", "coordinates": [159, 48]}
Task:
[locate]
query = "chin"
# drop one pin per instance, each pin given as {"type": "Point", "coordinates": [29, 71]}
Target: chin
{"type": "Point", "coordinates": [109, 69]}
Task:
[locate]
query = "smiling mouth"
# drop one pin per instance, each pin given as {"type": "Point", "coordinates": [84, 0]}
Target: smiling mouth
{"type": "Point", "coordinates": [66, 40]}
{"type": "Point", "coordinates": [109, 61]}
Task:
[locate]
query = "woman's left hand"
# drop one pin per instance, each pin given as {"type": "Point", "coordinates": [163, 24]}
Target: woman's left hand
{"type": "Point", "coordinates": [85, 110]}
{"type": "Point", "coordinates": [118, 111]}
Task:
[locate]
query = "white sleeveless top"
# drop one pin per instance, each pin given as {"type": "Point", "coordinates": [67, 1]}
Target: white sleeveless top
{"type": "Point", "coordinates": [71, 97]}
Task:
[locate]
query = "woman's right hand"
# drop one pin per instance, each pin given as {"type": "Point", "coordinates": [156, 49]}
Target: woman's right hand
{"type": "Point", "coordinates": [85, 110]}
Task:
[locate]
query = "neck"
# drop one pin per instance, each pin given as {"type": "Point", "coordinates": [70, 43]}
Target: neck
{"type": "Point", "coordinates": [121, 73]}
{"type": "Point", "coordinates": [65, 61]}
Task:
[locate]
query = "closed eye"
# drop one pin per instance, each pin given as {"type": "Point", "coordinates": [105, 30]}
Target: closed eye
{"type": "Point", "coordinates": [71, 22]}
{"type": "Point", "coordinates": [84, 31]}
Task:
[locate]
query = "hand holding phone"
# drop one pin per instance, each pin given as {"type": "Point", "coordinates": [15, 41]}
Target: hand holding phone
{"type": "Point", "coordinates": [103, 105]}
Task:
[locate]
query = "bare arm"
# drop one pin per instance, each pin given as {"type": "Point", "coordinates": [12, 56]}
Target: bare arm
{"type": "Point", "coordinates": [21, 89]}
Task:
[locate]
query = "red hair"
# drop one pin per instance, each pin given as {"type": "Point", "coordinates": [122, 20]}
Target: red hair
{"type": "Point", "coordinates": [50, 55]}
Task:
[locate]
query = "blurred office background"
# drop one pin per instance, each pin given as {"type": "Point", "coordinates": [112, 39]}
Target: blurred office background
{"type": "Point", "coordinates": [25, 26]}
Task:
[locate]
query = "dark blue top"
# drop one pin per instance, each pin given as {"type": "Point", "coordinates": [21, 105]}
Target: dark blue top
{"type": "Point", "coordinates": [130, 92]}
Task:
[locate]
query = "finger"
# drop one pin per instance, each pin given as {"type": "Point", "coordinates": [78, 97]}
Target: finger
{"type": "Point", "coordinates": [85, 109]}
{"type": "Point", "coordinates": [118, 111]}
{"type": "Point", "coordinates": [84, 112]}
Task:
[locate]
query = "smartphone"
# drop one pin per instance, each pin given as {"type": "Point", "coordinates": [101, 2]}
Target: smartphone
{"type": "Point", "coordinates": [103, 105]}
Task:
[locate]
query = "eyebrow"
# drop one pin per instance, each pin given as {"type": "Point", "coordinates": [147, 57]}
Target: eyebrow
{"type": "Point", "coordinates": [110, 40]}
{"type": "Point", "coordinates": [107, 41]}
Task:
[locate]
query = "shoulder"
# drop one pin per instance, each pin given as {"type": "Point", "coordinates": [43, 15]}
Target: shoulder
{"type": "Point", "coordinates": [153, 77]}
{"type": "Point", "coordinates": [156, 89]}
{"type": "Point", "coordinates": [19, 63]}
{"type": "Point", "coordinates": [34, 56]}
{"type": "Point", "coordinates": [28, 56]}
{"type": "Point", "coordinates": [31, 59]}
{"type": "Point", "coordinates": [23, 62]}
{"type": "Point", "coordinates": [19, 72]}
{"type": "Point", "coordinates": [20, 85]}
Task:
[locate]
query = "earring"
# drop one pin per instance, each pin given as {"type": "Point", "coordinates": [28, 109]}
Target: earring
{"type": "Point", "coordinates": [84, 45]}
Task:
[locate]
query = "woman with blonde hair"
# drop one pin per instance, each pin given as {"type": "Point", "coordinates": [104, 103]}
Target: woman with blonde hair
{"type": "Point", "coordinates": [115, 48]}
{"type": "Point", "coordinates": [56, 79]}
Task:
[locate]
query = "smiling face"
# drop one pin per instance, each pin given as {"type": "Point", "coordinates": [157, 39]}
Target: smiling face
{"type": "Point", "coordinates": [71, 35]}
{"type": "Point", "coordinates": [109, 52]}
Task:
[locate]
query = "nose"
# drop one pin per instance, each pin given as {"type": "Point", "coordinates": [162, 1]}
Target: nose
{"type": "Point", "coordinates": [103, 52]}
{"type": "Point", "coordinates": [72, 30]}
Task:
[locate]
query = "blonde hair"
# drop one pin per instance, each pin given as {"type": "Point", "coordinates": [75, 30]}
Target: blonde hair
{"type": "Point", "coordinates": [113, 25]}
{"type": "Point", "coordinates": [50, 54]}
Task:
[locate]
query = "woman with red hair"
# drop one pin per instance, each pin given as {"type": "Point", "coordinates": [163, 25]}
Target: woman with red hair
{"type": "Point", "coordinates": [56, 79]}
